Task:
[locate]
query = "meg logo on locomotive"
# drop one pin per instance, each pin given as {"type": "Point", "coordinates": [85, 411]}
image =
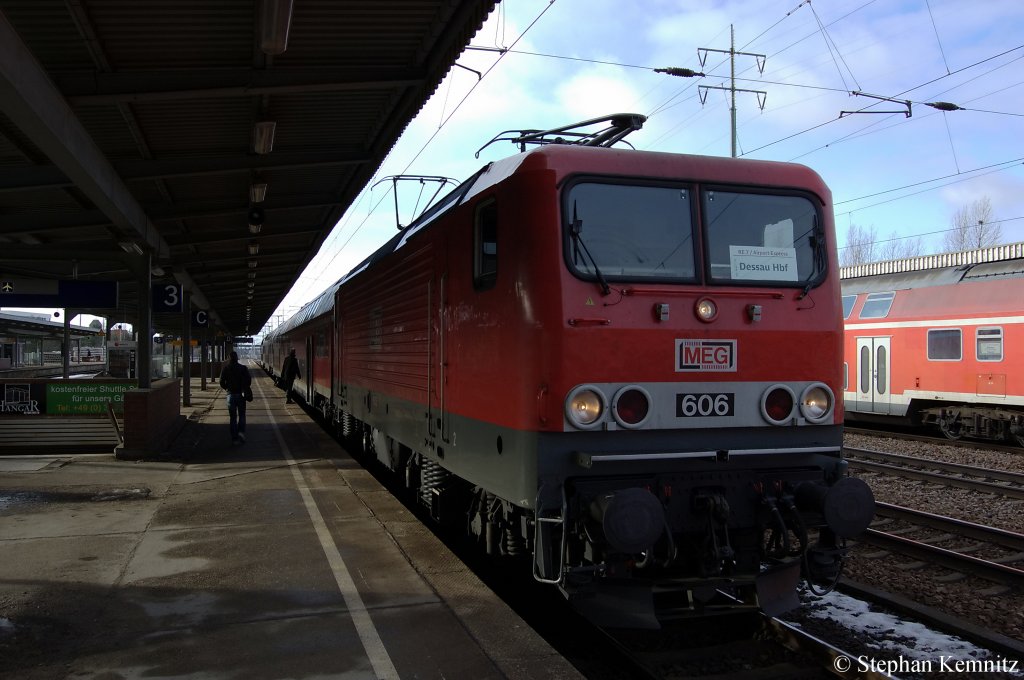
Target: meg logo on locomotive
{"type": "Point", "coordinates": [705, 355]}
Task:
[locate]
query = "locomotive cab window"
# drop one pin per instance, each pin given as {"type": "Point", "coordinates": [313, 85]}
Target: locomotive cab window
{"type": "Point", "coordinates": [944, 344]}
{"type": "Point", "coordinates": [624, 232]}
{"type": "Point", "coordinates": [877, 305]}
{"type": "Point", "coordinates": [485, 249]}
{"type": "Point", "coordinates": [989, 344]}
{"type": "Point", "coordinates": [763, 239]}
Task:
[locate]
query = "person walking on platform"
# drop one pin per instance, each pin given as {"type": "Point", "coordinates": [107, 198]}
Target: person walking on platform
{"type": "Point", "coordinates": [289, 372]}
{"type": "Point", "coordinates": [236, 381]}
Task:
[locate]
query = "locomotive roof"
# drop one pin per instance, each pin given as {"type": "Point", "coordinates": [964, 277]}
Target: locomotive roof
{"type": "Point", "coordinates": [996, 262]}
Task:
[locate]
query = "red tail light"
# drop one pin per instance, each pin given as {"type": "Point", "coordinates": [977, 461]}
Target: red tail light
{"type": "Point", "coordinates": [632, 407]}
{"type": "Point", "coordinates": [778, 404]}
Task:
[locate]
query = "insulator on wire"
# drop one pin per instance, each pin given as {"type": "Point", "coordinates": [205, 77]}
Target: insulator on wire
{"type": "Point", "coordinates": [681, 72]}
{"type": "Point", "coordinates": [945, 106]}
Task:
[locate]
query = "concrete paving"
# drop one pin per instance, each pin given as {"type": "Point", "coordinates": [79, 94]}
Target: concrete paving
{"type": "Point", "coordinates": [278, 558]}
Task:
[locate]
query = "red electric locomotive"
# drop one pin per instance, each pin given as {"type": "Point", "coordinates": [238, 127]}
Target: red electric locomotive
{"type": "Point", "coordinates": [620, 365]}
{"type": "Point", "coordinates": [933, 340]}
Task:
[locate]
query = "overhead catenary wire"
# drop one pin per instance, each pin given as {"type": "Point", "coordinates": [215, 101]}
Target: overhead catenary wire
{"type": "Point", "coordinates": [916, 87]}
{"type": "Point", "coordinates": [938, 40]}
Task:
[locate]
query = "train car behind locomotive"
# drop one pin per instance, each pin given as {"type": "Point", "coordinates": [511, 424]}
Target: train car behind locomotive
{"type": "Point", "coordinates": [619, 365]}
{"type": "Point", "coordinates": [936, 340]}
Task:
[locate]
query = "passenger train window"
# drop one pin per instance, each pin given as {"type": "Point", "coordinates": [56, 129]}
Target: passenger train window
{"type": "Point", "coordinates": [865, 369]}
{"type": "Point", "coordinates": [945, 344]}
{"type": "Point", "coordinates": [485, 246]}
{"type": "Point", "coordinates": [877, 305]}
{"type": "Point", "coordinates": [321, 345]}
{"type": "Point", "coordinates": [989, 344]}
{"type": "Point", "coordinates": [848, 302]}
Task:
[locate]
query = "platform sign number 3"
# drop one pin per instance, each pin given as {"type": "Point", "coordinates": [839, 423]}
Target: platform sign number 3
{"type": "Point", "coordinates": [166, 297]}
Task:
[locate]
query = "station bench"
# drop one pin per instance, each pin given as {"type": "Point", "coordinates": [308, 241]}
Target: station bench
{"type": "Point", "coordinates": [56, 434]}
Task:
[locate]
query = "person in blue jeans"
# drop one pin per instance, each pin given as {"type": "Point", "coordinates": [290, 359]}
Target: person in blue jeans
{"type": "Point", "coordinates": [235, 380]}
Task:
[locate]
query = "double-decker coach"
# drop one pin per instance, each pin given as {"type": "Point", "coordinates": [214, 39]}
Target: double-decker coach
{"type": "Point", "coordinates": [936, 340]}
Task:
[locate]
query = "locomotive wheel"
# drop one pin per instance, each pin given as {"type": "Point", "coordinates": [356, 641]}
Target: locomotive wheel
{"type": "Point", "coordinates": [951, 430]}
{"type": "Point", "coordinates": [1020, 439]}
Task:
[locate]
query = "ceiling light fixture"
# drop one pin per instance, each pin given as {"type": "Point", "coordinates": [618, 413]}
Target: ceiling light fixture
{"type": "Point", "coordinates": [255, 219]}
{"type": "Point", "coordinates": [252, 275]}
{"type": "Point", "coordinates": [263, 136]}
{"type": "Point", "coordinates": [275, 21]}
{"type": "Point", "coordinates": [130, 247]}
{"type": "Point", "coordinates": [257, 192]}
{"type": "Point", "coordinates": [252, 264]}
{"type": "Point", "coordinates": [254, 247]}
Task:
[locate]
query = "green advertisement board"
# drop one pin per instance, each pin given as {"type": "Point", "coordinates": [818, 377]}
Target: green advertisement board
{"type": "Point", "coordinates": [75, 398]}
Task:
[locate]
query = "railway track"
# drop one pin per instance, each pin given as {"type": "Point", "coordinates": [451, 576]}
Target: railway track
{"type": "Point", "coordinates": [999, 482]}
{"type": "Point", "coordinates": [1006, 569]}
{"type": "Point", "coordinates": [937, 440]}
{"type": "Point", "coordinates": [749, 645]}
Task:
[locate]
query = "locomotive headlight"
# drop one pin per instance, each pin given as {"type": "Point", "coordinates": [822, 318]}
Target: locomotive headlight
{"type": "Point", "coordinates": [816, 402]}
{"type": "Point", "coordinates": [584, 406]}
{"type": "Point", "coordinates": [706, 309]}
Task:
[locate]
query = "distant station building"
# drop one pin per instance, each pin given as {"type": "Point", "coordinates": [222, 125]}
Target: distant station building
{"type": "Point", "coordinates": [34, 339]}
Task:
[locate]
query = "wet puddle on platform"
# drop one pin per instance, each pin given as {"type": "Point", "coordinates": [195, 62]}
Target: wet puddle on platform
{"type": "Point", "coordinates": [10, 499]}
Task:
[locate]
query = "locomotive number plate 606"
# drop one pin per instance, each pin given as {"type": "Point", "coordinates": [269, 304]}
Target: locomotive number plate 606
{"type": "Point", "coordinates": [705, 404]}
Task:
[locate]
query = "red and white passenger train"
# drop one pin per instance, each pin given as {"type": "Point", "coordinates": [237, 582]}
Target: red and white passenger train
{"type": "Point", "coordinates": [937, 340]}
{"type": "Point", "coordinates": [620, 365]}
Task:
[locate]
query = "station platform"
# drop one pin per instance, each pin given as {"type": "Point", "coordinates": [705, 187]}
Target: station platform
{"type": "Point", "coordinates": [277, 558]}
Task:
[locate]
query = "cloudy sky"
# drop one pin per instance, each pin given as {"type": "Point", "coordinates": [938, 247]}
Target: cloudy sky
{"type": "Point", "coordinates": [571, 60]}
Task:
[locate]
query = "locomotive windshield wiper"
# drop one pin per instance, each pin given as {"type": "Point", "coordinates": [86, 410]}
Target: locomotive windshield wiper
{"type": "Point", "coordinates": [575, 230]}
{"type": "Point", "coordinates": [817, 240]}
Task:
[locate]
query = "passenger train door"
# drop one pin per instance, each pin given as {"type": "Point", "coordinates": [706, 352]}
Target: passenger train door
{"type": "Point", "coordinates": [873, 375]}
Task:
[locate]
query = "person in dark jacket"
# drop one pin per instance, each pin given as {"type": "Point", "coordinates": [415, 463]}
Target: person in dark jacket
{"type": "Point", "coordinates": [289, 372]}
{"type": "Point", "coordinates": [235, 380]}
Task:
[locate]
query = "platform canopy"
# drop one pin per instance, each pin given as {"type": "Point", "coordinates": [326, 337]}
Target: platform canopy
{"type": "Point", "coordinates": [213, 143]}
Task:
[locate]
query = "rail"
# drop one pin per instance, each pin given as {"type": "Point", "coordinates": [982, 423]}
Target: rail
{"type": "Point", "coordinates": [1016, 492]}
